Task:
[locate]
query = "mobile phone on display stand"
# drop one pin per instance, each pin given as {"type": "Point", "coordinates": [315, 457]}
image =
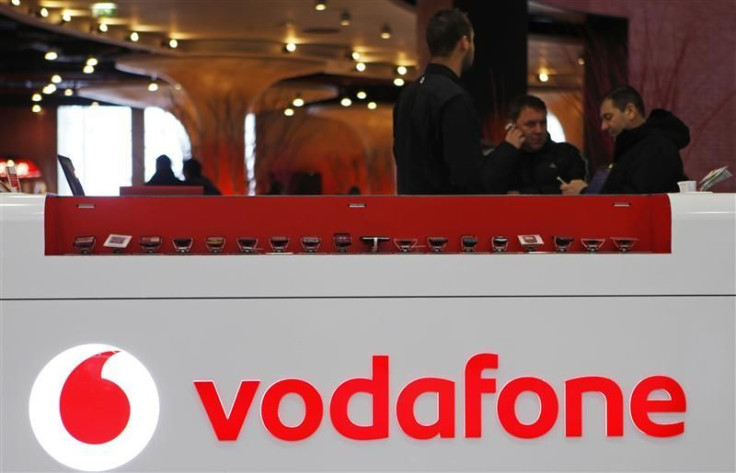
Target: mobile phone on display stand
{"type": "Point", "coordinates": [13, 180]}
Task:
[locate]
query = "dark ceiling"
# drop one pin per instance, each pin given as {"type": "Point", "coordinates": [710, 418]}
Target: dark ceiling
{"type": "Point", "coordinates": [24, 70]}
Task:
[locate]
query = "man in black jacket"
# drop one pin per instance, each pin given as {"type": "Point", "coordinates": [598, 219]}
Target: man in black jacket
{"type": "Point", "coordinates": [437, 136]}
{"type": "Point", "coordinates": [192, 170]}
{"type": "Point", "coordinates": [646, 158]}
{"type": "Point", "coordinates": [528, 161]}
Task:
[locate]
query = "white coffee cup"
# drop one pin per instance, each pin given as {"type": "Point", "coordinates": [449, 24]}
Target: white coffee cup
{"type": "Point", "coordinates": [688, 186]}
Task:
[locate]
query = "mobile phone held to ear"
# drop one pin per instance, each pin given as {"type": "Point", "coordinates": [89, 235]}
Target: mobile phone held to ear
{"type": "Point", "coordinates": [508, 126]}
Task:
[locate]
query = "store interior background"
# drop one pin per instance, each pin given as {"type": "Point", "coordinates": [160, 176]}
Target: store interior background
{"type": "Point", "coordinates": [222, 94]}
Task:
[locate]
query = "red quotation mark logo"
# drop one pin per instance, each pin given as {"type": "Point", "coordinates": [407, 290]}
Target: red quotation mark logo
{"type": "Point", "coordinates": [93, 410]}
{"type": "Point", "coordinates": [94, 407]}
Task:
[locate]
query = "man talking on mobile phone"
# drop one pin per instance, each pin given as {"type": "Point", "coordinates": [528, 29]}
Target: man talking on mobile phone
{"type": "Point", "coordinates": [528, 160]}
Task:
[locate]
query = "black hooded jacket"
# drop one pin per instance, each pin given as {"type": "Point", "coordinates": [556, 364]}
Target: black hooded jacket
{"type": "Point", "coordinates": [646, 159]}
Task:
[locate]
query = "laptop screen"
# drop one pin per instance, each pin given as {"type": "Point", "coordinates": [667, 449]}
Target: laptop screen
{"type": "Point", "coordinates": [71, 176]}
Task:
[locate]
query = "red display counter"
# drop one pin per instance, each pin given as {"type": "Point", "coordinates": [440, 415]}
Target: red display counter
{"type": "Point", "coordinates": [643, 219]}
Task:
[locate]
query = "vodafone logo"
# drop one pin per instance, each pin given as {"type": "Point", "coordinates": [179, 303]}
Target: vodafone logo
{"type": "Point", "coordinates": [94, 407]}
{"type": "Point", "coordinates": [477, 384]}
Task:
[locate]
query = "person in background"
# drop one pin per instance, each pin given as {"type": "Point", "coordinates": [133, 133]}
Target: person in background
{"type": "Point", "coordinates": [646, 157]}
{"type": "Point", "coordinates": [192, 170]}
{"type": "Point", "coordinates": [275, 188]}
{"type": "Point", "coordinates": [164, 175]}
{"type": "Point", "coordinates": [529, 161]}
{"type": "Point", "coordinates": [437, 135]}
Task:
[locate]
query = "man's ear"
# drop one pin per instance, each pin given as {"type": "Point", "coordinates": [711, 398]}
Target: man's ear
{"type": "Point", "coordinates": [464, 43]}
{"type": "Point", "coordinates": [631, 111]}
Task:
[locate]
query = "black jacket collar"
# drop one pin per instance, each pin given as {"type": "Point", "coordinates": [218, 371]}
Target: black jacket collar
{"type": "Point", "coordinates": [627, 139]}
{"type": "Point", "coordinates": [546, 147]}
{"type": "Point", "coordinates": [439, 69]}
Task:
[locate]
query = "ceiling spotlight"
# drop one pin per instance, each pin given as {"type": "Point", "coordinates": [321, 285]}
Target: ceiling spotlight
{"type": "Point", "coordinates": [386, 32]}
{"type": "Point", "coordinates": [372, 105]}
{"type": "Point", "coordinates": [346, 102]}
{"type": "Point", "coordinates": [360, 67]}
{"type": "Point", "coordinates": [153, 86]}
{"type": "Point", "coordinates": [320, 5]}
{"type": "Point", "coordinates": [290, 47]}
{"type": "Point", "coordinates": [44, 12]}
{"type": "Point", "coordinates": [298, 101]}
{"type": "Point", "coordinates": [102, 27]}
{"type": "Point", "coordinates": [56, 79]}
{"type": "Point", "coordinates": [361, 95]}
{"type": "Point", "coordinates": [49, 89]}
{"type": "Point", "coordinates": [51, 55]}
{"type": "Point", "coordinates": [355, 55]}
{"type": "Point", "coordinates": [289, 112]}
{"type": "Point", "coordinates": [36, 97]}
{"type": "Point", "coordinates": [92, 61]}
{"type": "Point", "coordinates": [15, 3]}
{"type": "Point", "coordinates": [66, 17]}
{"type": "Point", "coordinates": [36, 108]}
{"type": "Point", "coordinates": [543, 77]}
{"type": "Point", "coordinates": [68, 92]}
{"type": "Point", "coordinates": [399, 82]}
{"type": "Point", "coordinates": [173, 43]}
{"type": "Point", "coordinates": [88, 69]}
{"type": "Point", "coordinates": [345, 19]}
{"type": "Point", "coordinates": [134, 36]}
{"type": "Point", "coordinates": [401, 70]}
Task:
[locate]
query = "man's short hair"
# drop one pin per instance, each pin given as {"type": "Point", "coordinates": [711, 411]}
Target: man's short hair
{"type": "Point", "coordinates": [525, 101]}
{"type": "Point", "coordinates": [624, 95]}
{"type": "Point", "coordinates": [163, 162]}
{"type": "Point", "coordinates": [445, 29]}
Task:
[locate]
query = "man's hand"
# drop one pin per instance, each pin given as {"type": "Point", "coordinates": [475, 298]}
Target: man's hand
{"type": "Point", "coordinates": [573, 187]}
{"type": "Point", "coordinates": [514, 137]}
